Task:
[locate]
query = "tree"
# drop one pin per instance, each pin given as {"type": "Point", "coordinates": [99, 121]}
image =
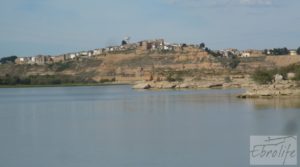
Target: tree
{"type": "Point", "coordinates": [279, 51]}
{"type": "Point", "coordinates": [184, 45]}
{"type": "Point", "coordinates": [124, 42]}
{"type": "Point", "coordinates": [8, 59]}
{"type": "Point", "coordinates": [298, 51]}
{"type": "Point", "coordinates": [285, 51]}
{"type": "Point", "coordinates": [202, 45]}
{"type": "Point", "coordinates": [262, 76]}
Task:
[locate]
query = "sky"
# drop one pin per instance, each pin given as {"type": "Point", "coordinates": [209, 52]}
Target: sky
{"type": "Point", "coordinates": [31, 27]}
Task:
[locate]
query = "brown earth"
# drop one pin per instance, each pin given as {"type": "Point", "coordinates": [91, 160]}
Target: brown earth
{"type": "Point", "coordinates": [189, 64]}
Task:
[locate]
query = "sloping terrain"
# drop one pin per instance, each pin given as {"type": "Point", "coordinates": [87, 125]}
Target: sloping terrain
{"type": "Point", "coordinates": [152, 65]}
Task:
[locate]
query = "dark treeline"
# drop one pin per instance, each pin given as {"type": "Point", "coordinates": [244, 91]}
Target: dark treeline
{"type": "Point", "coordinates": [42, 80]}
{"type": "Point", "coordinates": [10, 59]}
{"type": "Point", "coordinates": [277, 51]}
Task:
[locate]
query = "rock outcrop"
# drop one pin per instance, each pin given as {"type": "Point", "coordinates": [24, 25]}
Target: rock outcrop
{"type": "Point", "coordinates": [279, 88]}
{"type": "Point", "coordinates": [187, 85]}
{"type": "Point", "coordinates": [142, 86]}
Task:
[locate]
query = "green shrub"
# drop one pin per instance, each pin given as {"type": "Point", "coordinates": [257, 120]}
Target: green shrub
{"type": "Point", "coordinates": [263, 76]}
{"type": "Point", "coordinates": [174, 78]}
{"type": "Point", "coordinates": [63, 66]}
{"type": "Point", "coordinates": [42, 80]}
{"type": "Point", "coordinates": [105, 80]}
{"type": "Point", "coordinates": [227, 79]}
{"type": "Point", "coordinates": [11, 59]}
{"type": "Point", "coordinates": [229, 62]}
{"type": "Point", "coordinates": [297, 76]}
{"type": "Point", "coordinates": [295, 68]}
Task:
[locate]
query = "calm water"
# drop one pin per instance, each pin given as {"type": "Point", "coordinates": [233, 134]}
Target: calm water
{"type": "Point", "coordinates": [115, 126]}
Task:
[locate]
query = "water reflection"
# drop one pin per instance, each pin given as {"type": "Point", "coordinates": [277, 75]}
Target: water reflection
{"type": "Point", "coordinates": [117, 126]}
{"type": "Point", "coordinates": [276, 103]}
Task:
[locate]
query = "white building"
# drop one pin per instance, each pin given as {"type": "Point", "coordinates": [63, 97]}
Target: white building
{"type": "Point", "coordinates": [32, 59]}
{"type": "Point", "coordinates": [83, 53]}
{"type": "Point", "coordinates": [97, 52]}
{"type": "Point", "coordinates": [90, 53]}
{"type": "Point", "coordinates": [293, 53]}
{"type": "Point", "coordinates": [246, 54]}
{"type": "Point", "coordinates": [72, 56]}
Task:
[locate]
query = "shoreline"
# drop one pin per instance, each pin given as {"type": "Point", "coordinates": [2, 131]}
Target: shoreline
{"type": "Point", "coordinates": [285, 88]}
{"type": "Point", "coordinates": [62, 85]}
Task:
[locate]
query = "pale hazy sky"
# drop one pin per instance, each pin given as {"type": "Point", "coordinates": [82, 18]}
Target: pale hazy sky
{"type": "Point", "coordinates": [30, 27]}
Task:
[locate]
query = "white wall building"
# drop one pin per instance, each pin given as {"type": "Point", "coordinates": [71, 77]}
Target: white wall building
{"type": "Point", "coordinates": [72, 56]}
{"type": "Point", "coordinates": [246, 54]}
{"type": "Point", "coordinates": [293, 53]}
{"type": "Point", "coordinates": [32, 59]}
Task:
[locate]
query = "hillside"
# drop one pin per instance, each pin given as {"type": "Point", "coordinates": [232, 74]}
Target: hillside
{"type": "Point", "coordinates": [128, 67]}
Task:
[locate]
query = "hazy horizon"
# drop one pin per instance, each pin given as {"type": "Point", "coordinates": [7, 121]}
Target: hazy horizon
{"type": "Point", "coordinates": [31, 27]}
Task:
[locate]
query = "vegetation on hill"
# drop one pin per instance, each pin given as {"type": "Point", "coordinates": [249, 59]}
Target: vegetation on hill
{"type": "Point", "coordinates": [173, 76]}
{"type": "Point", "coordinates": [162, 64]}
{"type": "Point", "coordinates": [10, 59]}
{"type": "Point", "coordinates": [202, 45]}
{"type": "Point", "coordinates": [298, 51]}
{"type": "Point", "coordinates": [263, 76]}
{"type": "Point", "coordinates": [277, 51]}
{"type": "Point", "coordinates": [42, 80]}
{"type": "Point", "coordinates": [230, 62]}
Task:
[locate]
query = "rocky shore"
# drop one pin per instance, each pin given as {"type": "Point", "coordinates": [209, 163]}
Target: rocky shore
{"type": "Point", "coordinates": [237, 81]}
{"type": "Point", "coordinates": [184, 85]}
{"type": "Point", "coordinates": [253, 90]}
{"type": "Point", "coordinates": [277, 89]}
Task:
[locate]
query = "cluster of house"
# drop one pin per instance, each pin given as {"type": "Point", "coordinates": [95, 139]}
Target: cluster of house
{"type": "Point", "coordinates": [47, 59]}
{"type": "Point", "coordinates": [158, 44]}
{"type": "Point", "coordinates": [231, 52]}
{"type": "Point", "coordinates": [146, 45]}
{"type": "Point", "coordinates": [249, 53]}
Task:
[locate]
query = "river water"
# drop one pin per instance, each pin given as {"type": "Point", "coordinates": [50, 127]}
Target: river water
{"type": "Point", "coordinates": [115, 126]}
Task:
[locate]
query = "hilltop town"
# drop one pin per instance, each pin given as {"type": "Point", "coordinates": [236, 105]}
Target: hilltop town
{"type": "Point", "coordinates": [149, 45]}
{"type": "Point", "coordinates": [139, 48]}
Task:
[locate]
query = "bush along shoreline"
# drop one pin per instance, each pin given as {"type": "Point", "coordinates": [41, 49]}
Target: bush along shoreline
{"type": "Point", "coordinates": [48, 80]}
{"type": "Point", "coordinates": [283, 81]}
{"type": "Point", "coordinates": [263, 76]}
